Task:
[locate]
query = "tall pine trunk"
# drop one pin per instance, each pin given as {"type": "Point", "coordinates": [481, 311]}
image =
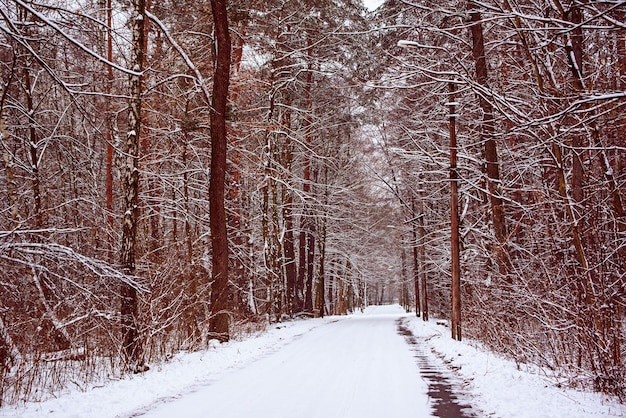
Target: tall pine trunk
{"type": "Point", "coordinates": [422, 247]}
{"type": "Point", "coordinates": [219, 322]}
{"type": "Point", "coordinates": [289, 261]}
{"type": "Point", "coordinates": [307, 237]}
{"type": "Point", "coordinates": [490, 150]}
{"type": "Point", "coordinates": [414, 245]}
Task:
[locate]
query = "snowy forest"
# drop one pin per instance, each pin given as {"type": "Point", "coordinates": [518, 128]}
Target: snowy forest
{"type": "Point", "coordinates": [180, 171]}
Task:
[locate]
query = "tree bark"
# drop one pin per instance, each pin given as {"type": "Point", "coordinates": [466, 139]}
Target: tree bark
{"type": "Point", "coordinates": [290, 254]}
{"type": "Point", "coordinates": [307, 223]}
{"type": "Point", "coordinates": [131, 341]}
{"type": "Point", "coordinates": [491, 151]}
{"type": "Point", "coordinates": [109, 126]}
{"type": "Point", "coordinates": [416, 279]}
{"type": "Point", "coordinates": [320, 296]}
{"type": "Point", "coordinates": [277, 254]}
{"type": "Point", "coordinates": [234, 195]}
{"type": "Point", "coordinates": [422, 245]}
{"type": "Point", "coordinates": [298, 300]}
{"type": "Point", "coordinates": [9, 166]}
{"type": "Point", "coordinates": [196, 272]}
{"type": "Point", "coordinates": [310, 262]}
{"type": "Point", "coordinates": [9, 163]}
{"type": "Point", "coordinates": [574, 48]}
{"type": "Point", "coordinates": [33, 150]}
{"type": "Point", "coordinates": [454, 225]}
{"type": "Point", "coordinates": [289, 240]}
{"type": "Point", "coordinates": [219, 322]}
{"type": "Point", "coordinates": [403, 297]}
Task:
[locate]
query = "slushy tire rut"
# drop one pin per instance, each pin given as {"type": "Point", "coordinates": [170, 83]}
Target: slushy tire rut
{"type": "Point", "coordinates": [444, 387]}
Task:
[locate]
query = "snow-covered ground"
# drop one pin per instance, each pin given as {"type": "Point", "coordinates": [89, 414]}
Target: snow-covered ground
{"type": "Point", "coordinates": [498, 389]}
{"type": "Point", "coordinates": [355, 366]}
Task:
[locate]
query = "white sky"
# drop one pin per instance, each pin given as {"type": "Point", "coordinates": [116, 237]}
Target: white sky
{"type": "Point", "coordinates": [372, 4]}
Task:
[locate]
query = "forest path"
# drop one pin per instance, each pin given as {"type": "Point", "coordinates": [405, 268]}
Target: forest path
{"type": "Point", "coordinates": [358, 366]}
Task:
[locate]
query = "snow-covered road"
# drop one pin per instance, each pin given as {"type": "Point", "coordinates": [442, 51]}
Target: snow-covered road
{"type": "Point", "coordinates": [337, 367]}
{"type": "Point", "coordinates": [356, 366]}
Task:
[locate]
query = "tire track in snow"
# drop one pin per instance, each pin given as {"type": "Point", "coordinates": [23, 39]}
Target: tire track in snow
{"type": "Point", "coordinates": [442, 389]}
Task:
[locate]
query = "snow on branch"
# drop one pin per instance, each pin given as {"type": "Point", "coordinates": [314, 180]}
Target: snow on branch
{"type": "Point", "coordinates": [183, 54]}
{"type": "Point", "coordinates": [75, 42]}
{"type": "Point", "coordinates": [57, 251]}
{"type": "Point", "coordinates": [578, 104]}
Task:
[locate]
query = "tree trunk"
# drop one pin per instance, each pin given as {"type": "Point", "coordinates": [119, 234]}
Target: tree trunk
{"type": "Point", "coordinates": [195, 272]}
{"type": "Point", "coordinates": [277, 254]}
{"type": "Point", "coordinates": [219, 322]}
{"type": "Point", "coordinates": [307, 239]}
{"type": "Point", "coordinates": [330, 298]}
{"type": "Point", "coordinates": [574, 50]}
{"type": "Point", "coordinates": [491, 152]}
{"type": "Point", "coordinates": [265, 223]}
{"type": "Point", "coordinates": [109, 127]}
{"type": "Point", "coordinates": [9, 163]}
{"type": "Point", "coordinates": [272, 245]}
{"type": "Point", "coordinates": [320, 296]}
{"type": "Point", "coordinates": [416, 283]}
{"type": "Point", "coordinates": [422, 245]}
{"type": "Point", "coordinates": [298, 301]}
{"type": "Point", "coordinates": [404, 299]}
{"type": "Point", "coordinates": [310, 262]}
{"type": "Point", "coordinates": [234, 197]}
{"type": "Point", "coordinates": [8, 350]}
{"type": "Point", "coordinates": [290, 254]}
{"type": "Point", "coordinates": [33, 151]}
{"type": "Point", "coordinates": [454, 225]}
{"type": "Point", "coordinates": [148, 150]}
{"type": "Point", "coordinates": [289, 240]}
{"type": "Point", "coordinates": [131, 341]}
